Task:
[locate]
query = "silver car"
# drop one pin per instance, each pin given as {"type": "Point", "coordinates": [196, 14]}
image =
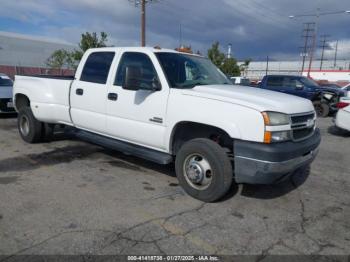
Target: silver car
{"type": "Point", "coordinates": [6, 86]}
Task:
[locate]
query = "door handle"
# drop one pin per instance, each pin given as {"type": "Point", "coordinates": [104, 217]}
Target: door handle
{"type": "Point", "coordinates": [113, 96]}
{"type": "Point", "coordinates": [79, 91]}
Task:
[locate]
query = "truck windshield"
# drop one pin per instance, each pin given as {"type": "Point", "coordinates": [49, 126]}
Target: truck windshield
{"type": "Point", "coordinates": [187, 71]}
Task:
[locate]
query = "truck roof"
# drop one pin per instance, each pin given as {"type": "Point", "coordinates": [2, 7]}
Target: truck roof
{"type": "Point", "coordinates": [286, 76]}
{"type": "Point", "coordinates": [138, 49]}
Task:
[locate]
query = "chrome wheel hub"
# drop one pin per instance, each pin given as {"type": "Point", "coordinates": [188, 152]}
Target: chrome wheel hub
{"type": "Point", "coordinates": [24, 125]}
{"type": "Point", "coordinates": [197, 171]}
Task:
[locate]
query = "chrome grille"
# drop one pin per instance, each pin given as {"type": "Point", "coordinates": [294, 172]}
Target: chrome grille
{"type": "Point", "coordinates": [303, 126]}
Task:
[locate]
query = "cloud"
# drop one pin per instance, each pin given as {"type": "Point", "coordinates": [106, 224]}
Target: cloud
{"type": "Point", "coordinates": [255, 28]}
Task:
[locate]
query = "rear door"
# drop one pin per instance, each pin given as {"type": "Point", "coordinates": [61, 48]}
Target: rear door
{"type": "Point", "coordinates": [89, 92]}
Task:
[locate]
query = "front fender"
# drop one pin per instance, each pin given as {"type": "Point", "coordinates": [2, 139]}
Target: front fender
{"type": "Point", "coordinates": [239, 122]}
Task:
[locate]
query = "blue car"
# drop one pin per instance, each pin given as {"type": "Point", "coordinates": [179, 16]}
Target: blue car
{"type": "Point", "coordinates": [6, 86]}
{"type": "Point", "coordinates": [324, 98]}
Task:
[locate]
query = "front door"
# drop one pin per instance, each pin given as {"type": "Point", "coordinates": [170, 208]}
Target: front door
{"type": "Point", "coordinates": [138, 116]}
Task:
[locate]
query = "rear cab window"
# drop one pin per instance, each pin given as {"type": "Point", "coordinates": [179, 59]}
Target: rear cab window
{"type": "Point", "coordinates": [97, 66]}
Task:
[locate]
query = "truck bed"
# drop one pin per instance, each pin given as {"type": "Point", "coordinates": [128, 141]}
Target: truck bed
{"type": "Point", "coordinates": [68, 77]}
{"type": "Point", "coordinates": [49, 96]}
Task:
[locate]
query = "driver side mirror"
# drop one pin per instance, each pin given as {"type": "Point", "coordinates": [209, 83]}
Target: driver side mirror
{"type": "Point", "coordinates": [133, 80]}
{"type": "Point", "coordinates": [299, 86]}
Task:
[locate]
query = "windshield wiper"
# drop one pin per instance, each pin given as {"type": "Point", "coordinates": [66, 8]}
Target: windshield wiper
{"type": "Point", "coordinates": [194, 84]}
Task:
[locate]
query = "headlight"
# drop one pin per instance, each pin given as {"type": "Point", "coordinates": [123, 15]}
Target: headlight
{"type": "Point", "coordinates": [276, 119]}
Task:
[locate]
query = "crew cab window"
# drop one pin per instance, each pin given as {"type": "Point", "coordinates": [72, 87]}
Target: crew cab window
{"type": "Point", "coordinates": [97, 67]}
{"type": "Point", "coordinates": [141, 60]}
{"type": "Point", "coordinates": [273, 81]}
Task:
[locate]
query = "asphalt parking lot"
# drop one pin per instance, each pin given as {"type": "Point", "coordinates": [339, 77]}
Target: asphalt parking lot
{"type": "Point", "coordinates": [70, 197]}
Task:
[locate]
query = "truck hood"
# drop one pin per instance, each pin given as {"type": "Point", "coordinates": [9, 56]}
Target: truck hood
{"type": "Point", "coordinates": [5, 91]}
{"type": "Point", "coordinates": [335, 90]}
{"type": "Point", "coordinates": [255, 98]}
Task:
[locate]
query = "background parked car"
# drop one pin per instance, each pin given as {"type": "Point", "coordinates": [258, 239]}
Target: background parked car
{"type": "Point", "coordinates": [6, 86]}
{"type": "Point", "coordinates": [238, 80]}
{"type": "Point", "coordinates": [346, 89]}
{"type": "Point", "coordinates": [342, 119]}
{"type": "Point", "coordinates": [324, 98]}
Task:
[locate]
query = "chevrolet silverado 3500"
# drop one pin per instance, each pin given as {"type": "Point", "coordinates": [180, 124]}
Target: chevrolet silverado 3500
{"type": "Point", "coordinates": [167, 106]}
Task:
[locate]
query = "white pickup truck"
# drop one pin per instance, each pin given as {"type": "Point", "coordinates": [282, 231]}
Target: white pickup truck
{"type": "Point", "coordinates": [167, 106]}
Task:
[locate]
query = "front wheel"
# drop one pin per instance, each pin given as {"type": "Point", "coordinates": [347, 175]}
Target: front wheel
{"type": "Point", "coordinates": [203, 169]}
{"type": "Point", "coordinates": [322, 109]}
{"type": "Point", "coordinates": [29, 128]}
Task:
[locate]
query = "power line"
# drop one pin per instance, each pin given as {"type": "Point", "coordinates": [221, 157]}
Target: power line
{"type": "Point", "coordinates": [335, 54]}
{"type": "Point", "coordinates": [243, 7]}
{"type": "Point", "coordinates": [324, 44]}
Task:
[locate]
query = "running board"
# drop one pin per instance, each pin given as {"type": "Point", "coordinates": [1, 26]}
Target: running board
{"type": "Point", "coordinates": [125, 147]}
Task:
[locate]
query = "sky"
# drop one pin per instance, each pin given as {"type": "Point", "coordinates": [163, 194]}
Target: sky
{"type": "Point", "coordinates": [255, 28]}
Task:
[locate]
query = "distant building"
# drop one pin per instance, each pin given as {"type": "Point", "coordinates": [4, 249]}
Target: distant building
{"type": "Point", "coordinates": [28, 51]}
{"type": "Point", "coordinates": [329, 75]}
{"type": "Point", "coordinates": [257, 69]}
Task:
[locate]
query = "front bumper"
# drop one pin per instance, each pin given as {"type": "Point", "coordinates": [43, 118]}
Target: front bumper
{"type": "Point", "coordinates": [4, 108]}
{"type": "Point", "coordinates": [257, 163]}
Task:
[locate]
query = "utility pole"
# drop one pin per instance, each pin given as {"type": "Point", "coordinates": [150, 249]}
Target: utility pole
{"type": "Point", "coordinates": [324, 44]}
{"type": "Point", "coordinates": [143, 22]}
{"type": "Point", "coordinates": [317, 16]}
{"type": "Point", "coordinates": [267, 65]}
{"type": "Point", "coordinates": [313, 42]}
{"type": "Point", "coordinates": [335, 54]}
{"type": "Point", "coordinates": [180, 44]}
{"type": "Point", "coordinates": [143, 3]}
{"type": "Point", "coordinates": [307, 34]}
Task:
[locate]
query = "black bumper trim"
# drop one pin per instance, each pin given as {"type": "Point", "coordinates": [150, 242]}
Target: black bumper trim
{"type": "Point", "coordinates": [277, 152]}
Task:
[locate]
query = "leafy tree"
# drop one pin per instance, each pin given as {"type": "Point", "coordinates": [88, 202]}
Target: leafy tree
{"type": "Point", "coordinates": [215, 55]}
{"type": "Point", "coordinates": [63, 58]}
{"type": "Point", "coordinates": [227, 65]}
{"type": "Point", "coordinates": [89, 40]}
{"type": "Point", "coordinates": [230, 67]}
{"type": "Point", "coordinates": [58, 59]}
{"type": "Point", "coordinates": [244, 66]}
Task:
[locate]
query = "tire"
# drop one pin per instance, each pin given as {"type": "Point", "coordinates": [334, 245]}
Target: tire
{"type": "Point", "coordinates": [47, 132]}
{"type": "Point", "coordinates": [195, 155]}
{"type": "Point", "coordinates": [29, 128]}
{"type": "Point", "coordinates": [322, 109]}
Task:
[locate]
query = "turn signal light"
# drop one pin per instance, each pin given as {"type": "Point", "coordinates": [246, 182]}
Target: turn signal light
{"type": "Point", "coordinates": [267, 137]}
